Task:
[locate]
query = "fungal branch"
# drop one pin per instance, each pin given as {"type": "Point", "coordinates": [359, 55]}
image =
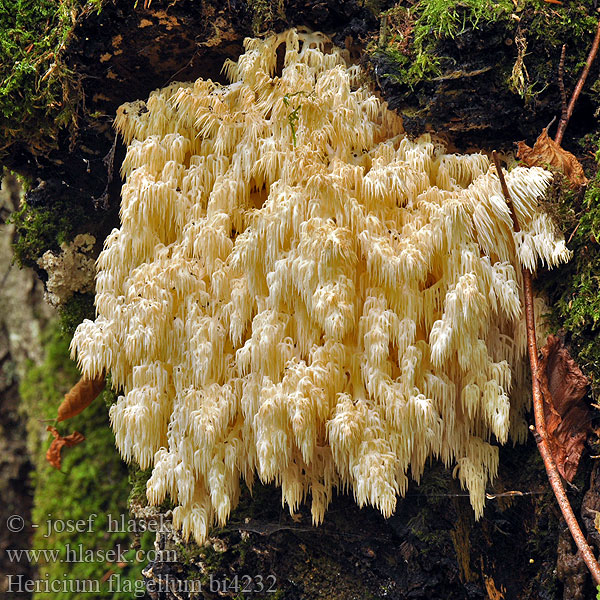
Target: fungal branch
{"type": "Point", "coordinates": [327, 310]}
{"type": "Point", "coordinates": [541, 394]}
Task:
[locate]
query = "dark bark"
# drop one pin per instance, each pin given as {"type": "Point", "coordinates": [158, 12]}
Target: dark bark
{"type": "Point", "coordinates": [430, 549]}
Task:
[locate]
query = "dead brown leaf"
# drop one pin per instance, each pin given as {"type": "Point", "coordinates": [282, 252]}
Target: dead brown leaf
{"type": "Point", "coordinates": [546, 152]}
{"type": "Point", "coordinates": [53, 453]}
{"type": "Point", "coordinates": [567, 416]}
{"type": "Point", "coordinates": [79, 397]}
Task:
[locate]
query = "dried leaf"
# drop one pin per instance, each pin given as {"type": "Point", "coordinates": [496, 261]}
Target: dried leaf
{"type": "Point", "coordinates": [567, 416]}
{"type": "Point", "coordinates": [80, 396]}
{"type": "Point", "coordinates": [546, 152]}
{"type": "Point", "coordinates": [53, 453]}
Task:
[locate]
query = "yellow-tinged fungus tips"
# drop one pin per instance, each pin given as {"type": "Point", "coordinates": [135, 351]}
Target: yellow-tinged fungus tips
{"type": "Point", "coordinates": [301, 292]}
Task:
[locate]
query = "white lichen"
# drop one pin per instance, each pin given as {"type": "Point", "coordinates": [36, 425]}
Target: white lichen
{"type": "Point", "coordinates": [300, 291]}
{"type": "Point", "coordinates": [73, 270]}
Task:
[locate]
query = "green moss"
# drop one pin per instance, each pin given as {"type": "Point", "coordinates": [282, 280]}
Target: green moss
{"type": "Point", "coordinates": [264, 13]}
{"type": "Point", "coordinates": [449, 18]}
{"type": "Point", "coordinates": [545, 28]}
{"type": "Point", "coordinates": [574, 289]}
{"type": "Point", "coordinates": [91, 485]}
{"type": "Point", "coordinates": [556, 23]}
{"type": "Point", "coordinates": [38, 93]}
{"type": "Point", "coordinates": [77, 308]}
{"type": "Point", "coordinates": [416, 40]}
{"type": "Point", "coordinates": [137, 482]}
{"type": "Point", "coordinates": [411, 38]}
{"type": "Point", "coordinates": [43, 228]}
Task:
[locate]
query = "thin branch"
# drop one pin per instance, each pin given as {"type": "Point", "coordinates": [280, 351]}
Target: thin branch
{"type": "Point", "coordinates": [540, 433]}
{"type": "Point", "coordinates": [561, 84]}
{"type": "Point", "coordinates": [505, 191]}
{"type": "Point", "coordinates": [564, 119]}
{"type": "Point", "coordinates": [108, 161]}
{"type": "Point", "coordinates": [573, 233]}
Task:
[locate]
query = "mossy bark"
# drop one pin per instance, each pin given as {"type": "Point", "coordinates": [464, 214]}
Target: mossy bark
{"type": "Point", "coordinates": [477, 74]}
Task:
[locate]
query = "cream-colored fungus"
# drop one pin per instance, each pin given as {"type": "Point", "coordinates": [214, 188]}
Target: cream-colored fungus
{"type": "Point", "coordinates": [300, 291]}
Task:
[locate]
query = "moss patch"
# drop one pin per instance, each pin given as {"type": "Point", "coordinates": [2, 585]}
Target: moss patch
{"type": "Point", "coordinates": [574, 289]}
{"type": "Point", "coordinates": [77, 308]}
{"type": "Point", "coordinates": [411, 38]}
{"type": "Point", "coordinates": [264, 13]}
{"type": "Point", "coordinates": [43, 228]}
{"type": "Point", "coordinates": [38, 93]}
{"type": "Point", "coordinates": [454, 66]}
{"type": "Point", "coordinates": [92, 484]}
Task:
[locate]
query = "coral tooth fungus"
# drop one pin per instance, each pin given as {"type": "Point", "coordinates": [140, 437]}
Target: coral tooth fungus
{"type": "Point", "coordinates": [299, 291]}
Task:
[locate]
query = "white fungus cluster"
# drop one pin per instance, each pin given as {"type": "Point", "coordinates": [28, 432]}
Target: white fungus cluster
{"type": "Point", "coordinates": [70, 271]}
{"type": "Point", "coordinates": [300, 291]}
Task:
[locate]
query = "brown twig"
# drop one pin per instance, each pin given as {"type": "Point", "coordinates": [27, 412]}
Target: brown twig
{"type": "Point", "coordinates": [564, 119]}
{"type": "Point", "coordinates": [108, 161]}
{"type": "Point", "coordinates": [573, 233]}
{"type": "Point", "coordinates": [505, 191]}
{"type": "Point", "coordinates": [540, 433]}
{"type": "Point", "coordinates": [561, 83]}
